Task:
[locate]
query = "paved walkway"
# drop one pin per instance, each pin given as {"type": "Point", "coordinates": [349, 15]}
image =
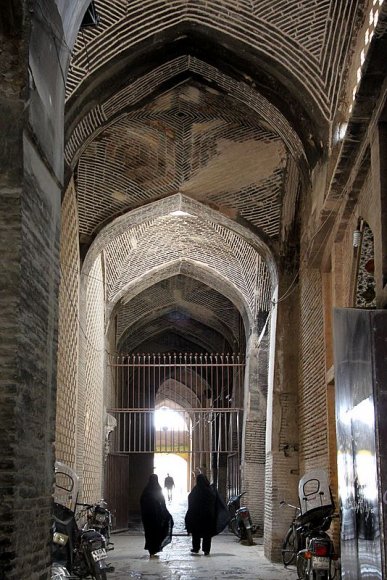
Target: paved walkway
{"type": "Point", "coordinates": [229, 558]}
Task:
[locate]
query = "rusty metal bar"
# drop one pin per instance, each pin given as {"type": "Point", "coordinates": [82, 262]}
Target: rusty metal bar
{"type": "Point", "coordinates": [135, 433]}
{"type": "Point", "coordinates": [205, 389]}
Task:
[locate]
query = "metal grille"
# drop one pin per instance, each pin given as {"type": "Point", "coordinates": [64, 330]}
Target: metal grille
{"type": "Point", "coordinates": [204, 391]}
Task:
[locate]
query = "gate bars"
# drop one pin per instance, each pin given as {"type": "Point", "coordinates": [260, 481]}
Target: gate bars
{"type": "Point", "coordinates": [204, 391]}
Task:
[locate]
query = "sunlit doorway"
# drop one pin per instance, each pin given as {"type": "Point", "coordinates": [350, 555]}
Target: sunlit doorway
{"type": "Point", "coordinates": [169, 422]}
{"type": "Point", "coordinates": [172, 428]}
{"type": "Point", "coordinates": [175, 466]}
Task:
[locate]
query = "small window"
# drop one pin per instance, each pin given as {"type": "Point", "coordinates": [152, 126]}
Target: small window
{"type": "Point", "coordinates": [91, 17]}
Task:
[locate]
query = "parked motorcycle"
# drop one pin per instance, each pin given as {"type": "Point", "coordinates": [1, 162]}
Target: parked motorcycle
{"type": "Point", "coordinates": [240, 523]}
{"type": "Point", "coordinates": [317, 559]}
{"type": "Point", "coordinates": [99, 518]}
{"type": "Point", "coordinates": [76, 553]}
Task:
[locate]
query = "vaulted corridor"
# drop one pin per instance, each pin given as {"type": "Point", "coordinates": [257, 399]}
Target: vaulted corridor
{"type": "Point", "coordinates": [193, 202]}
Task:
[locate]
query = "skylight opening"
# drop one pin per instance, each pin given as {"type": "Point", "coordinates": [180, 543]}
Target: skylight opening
{"type": "Point", "coordinates": [373, 18]}
{"type": "Point", "coordinates": [180, 213]}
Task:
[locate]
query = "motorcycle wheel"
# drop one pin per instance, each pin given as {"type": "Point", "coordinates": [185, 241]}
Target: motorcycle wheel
{"type": "Point", "coordinates": [99, 573]}
{"type": "Point", "coordinates": [249, 537]}
{"type": "Point", "coordinates": [302, 568]}
{"type": "Point", "coordinates": [59, 572]}
{"type": "Point", "coordinates": [235, 528]}
{"type": "Point", "coordinates": [289, 547]}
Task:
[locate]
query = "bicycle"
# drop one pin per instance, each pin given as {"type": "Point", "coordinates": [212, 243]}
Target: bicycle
{"type": "Point", "coordinates": [294, 540]}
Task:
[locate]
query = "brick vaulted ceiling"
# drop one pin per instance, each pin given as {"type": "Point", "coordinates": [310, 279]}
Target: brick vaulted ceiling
{"type": "Point", "coordinates": [230, 103]}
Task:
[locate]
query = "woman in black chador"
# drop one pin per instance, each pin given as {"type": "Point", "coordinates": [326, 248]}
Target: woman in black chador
{"type": "Point", "coordinates": [200, 519]}
{"type": "Point", "coordinates": [156, 519]}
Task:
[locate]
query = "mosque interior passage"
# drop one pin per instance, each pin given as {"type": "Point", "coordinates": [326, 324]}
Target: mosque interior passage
{"type": "Point", "coordinates": [191, 191]}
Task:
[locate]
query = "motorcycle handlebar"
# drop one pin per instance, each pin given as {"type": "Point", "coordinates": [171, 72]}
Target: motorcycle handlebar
{"type": "Point", "coordinates": [285, 503]}
{"type": "Point", "coordinates": [235, 498]}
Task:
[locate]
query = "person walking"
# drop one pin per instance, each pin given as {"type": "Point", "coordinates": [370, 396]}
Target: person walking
{"type": "Point", "coordinates": [169, 484]}
{"type": "Point", "coordinates": [156, 519]}
{"type": "Point", "coordinates": [200, 519]}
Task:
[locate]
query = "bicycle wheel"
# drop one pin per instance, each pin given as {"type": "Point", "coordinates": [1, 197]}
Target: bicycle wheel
{"type": "Point", "coordinates": [289, 547]}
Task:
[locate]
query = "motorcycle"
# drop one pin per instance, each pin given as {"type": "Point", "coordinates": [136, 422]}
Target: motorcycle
{"type": "Point", "coordinates": [240, 523]}
{"type": "Point", "coordinates": [317, 559]}
{"type": "Point", "coordinates": [99, 518]}
{"type": "Point", "coordinates": [76, 553]}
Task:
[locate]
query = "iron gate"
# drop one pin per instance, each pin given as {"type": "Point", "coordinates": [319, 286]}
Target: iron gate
{"type": "Point", "coordinates": [205, 392]}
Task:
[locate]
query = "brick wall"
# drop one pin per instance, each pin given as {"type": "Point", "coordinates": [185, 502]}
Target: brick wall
{"type": "Point", "coordinates": [29, 234]}
{"type": "Point", "coordinates": [92, 382]}
{"type": "Point", "coordinates": [312, 387]}
{"type": "Point", "coordinates": [80, 396]}
{"type": "Point", "coordinates": [282, 467]}
{"type": "Point", "coordinates": [68, 330]}
{"type": "Point", "coordinates": [254, 470]}
{"type": "Point", "coordinates": [254, 435]}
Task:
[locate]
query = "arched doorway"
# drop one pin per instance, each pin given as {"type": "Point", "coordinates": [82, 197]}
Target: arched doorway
{"type": "Point", "coordinates": [172, 423]}
{"type": "Point", "coordinates": [185, 406]}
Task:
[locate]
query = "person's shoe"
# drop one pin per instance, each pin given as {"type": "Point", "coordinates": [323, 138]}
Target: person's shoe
{"type": "Point", "coordinates": [206, 553]}
{"type": "Point", "coordinates": [153, 556]}
{"type": "Point", "coordinates": [194, 551]}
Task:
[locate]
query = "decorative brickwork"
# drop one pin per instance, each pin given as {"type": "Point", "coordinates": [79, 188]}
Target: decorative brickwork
{"type": "Point", "coordinates": [194, 130]}
{"type": "Point", "coordinates": [169, 239]}
{"type": "Point", "coordinates": [183, 292]}
{"type": "Point", "coordinates": [68, 331]}
{"type": "Point", "coordinates": [79, 429]}
{"type": "Point", "coordinates": [190, 140]}
{"type": "Point", "coordinates": [93, 338]}
{"type": "Point", "coordinates": [173, 303]}
{"type": "Point", "coordinates": [309, 39]}
{"type": "Point", "coordinates": [261, 111]}
{"type": "Point", "coordinates": [146, 240]}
